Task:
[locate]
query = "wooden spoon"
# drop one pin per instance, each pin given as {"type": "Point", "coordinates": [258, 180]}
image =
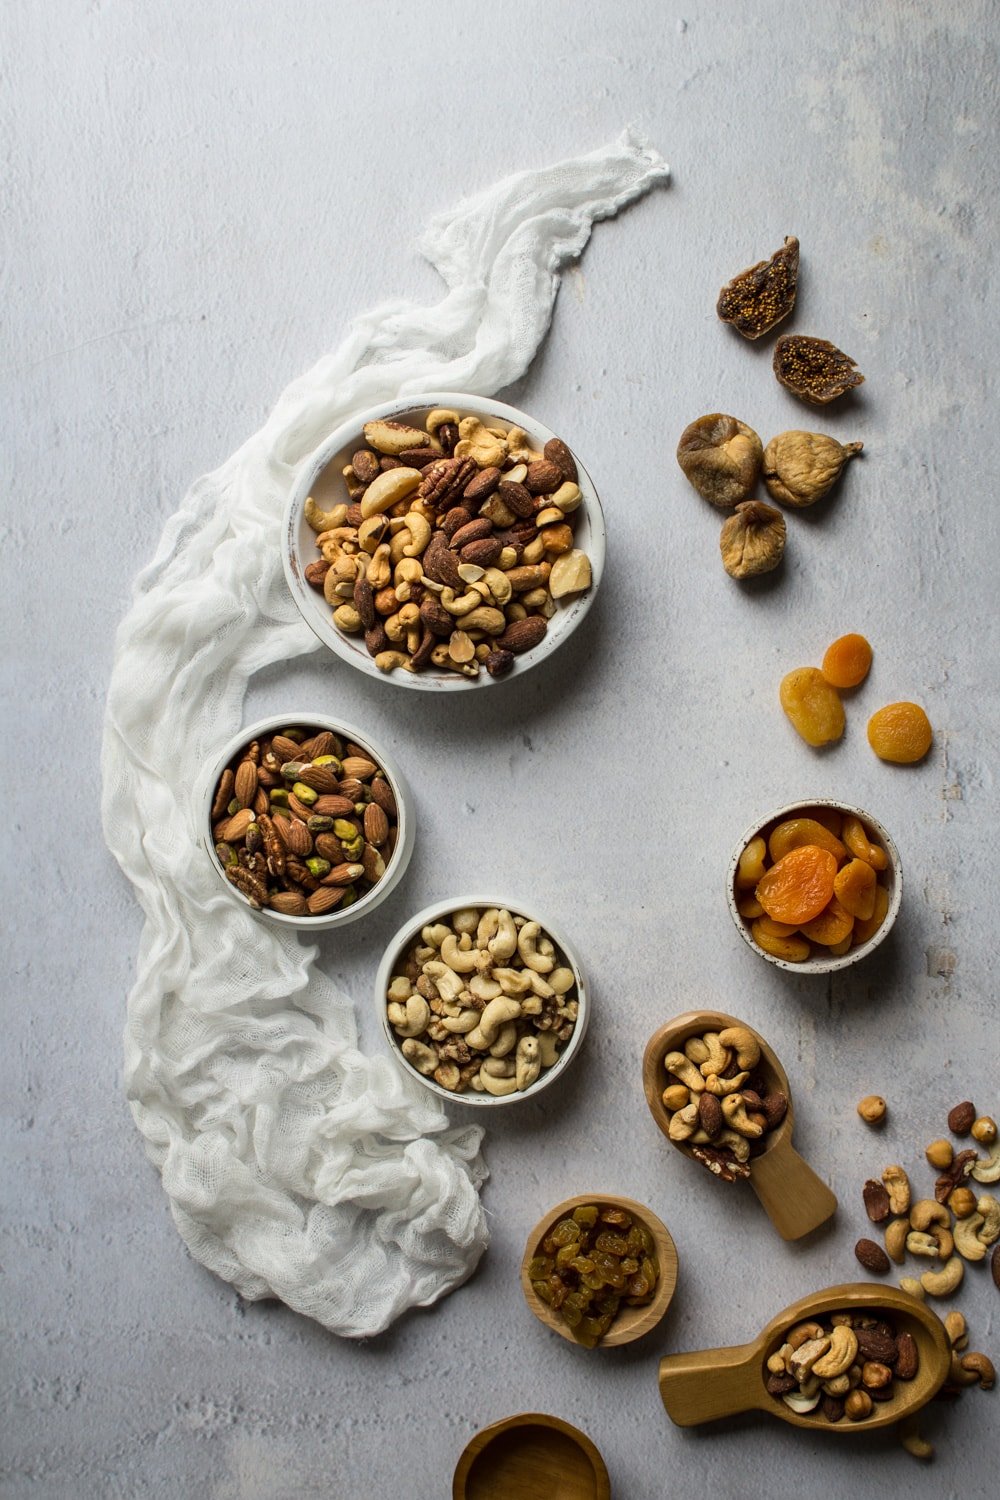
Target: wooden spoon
{"type": "Point", "coordinates": [631, 1322]}
{"type": "Point", "coordinates": [527, 1456]}
{"type": "Point", "coordinates": [796, 1200]}
{"type": "Point", "coordinates": [715, 1383]}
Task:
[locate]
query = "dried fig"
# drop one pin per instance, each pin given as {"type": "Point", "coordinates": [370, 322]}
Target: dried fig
{"type": "Point", "coordinates": [801, 467]}
{"type": "Point", "coordinates": [814, 369]}
{"type": "Point", "coordinates": [722, 458]}
{"type": "Point", "coordinates": [759, 297]}
{"type": "Point", "coordinates": [752, 541]}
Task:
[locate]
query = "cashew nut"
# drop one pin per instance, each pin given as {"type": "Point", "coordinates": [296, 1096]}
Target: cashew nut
{"type": "Point", "coordinates": [484, 988]}
{"type": "Point", "coordinates": [528, 1063]}
{"type": "Point", "coordinates": [958, 1375]}
{"type": "Point", "coordinates": [513, 981]}
{"type": "Point", "coordinates": [410, 1018]}
{"type": "Point", "coordinates": [954, 1323]}
{"type": "Point", "coordinates": [895, 1240]}
{"type": "Point", "coordinates": [911, 1285]}
{"type": "Point", "coordinates": [719, 1057]}
{"type": "Point", "coordinates": [466, 1020]}
{"type": "Point", "coordinates": [684, 1123]}
{"type": "Point", "coordinates": [990, 1210]}
{"type": "Point", "coordinates": [919, 1243]}
{"type": "Point", "coordinates": [499, 586]}
{"type": "Point", "coordinates": [798, 1401]}
{"type": "Point", "coordinates": [419, 530]}
{"type": "Point", "coordinates": [738, 1144]}
{"type": "Point", "coordinates": [561, 980]}
{"type": "Point", "coordinates": [734, 1112]}
{"type": "Point", "coordinates": [966, 1242]}
{"type": "Point", "coordinates": [462, 604]}
{"type": "Point", "coordinates": [912, 1440]}
{"type": "Point", "coordinates": [807, 1355]}
{"type": "Point", "coordinates": [696, 1050]}
{"type": "Point", "coordinates": [897, 1185]}
{"type": "Point", "coordinates": [548, 1047]}
{"type": "Point", "coordinates": [840, 1355]}
{"type": "Point", "coordinates": [479, 442]}
{"type": "Point", "coordinates": [527, 947]}
{"type": "Point", "coordinates": [497, 1013]}
{"type": "Point", "coordinates": [503, 944]}
{"type": "Point", "coordinates": [979, 1366]}
{"type": "Point", "coordinates": [684, 1069]}
{"type": "Point", "coordinates": [463, 961]}
{"type": "Point", "coordinates": [802, 1333]}
{"type": "Point", "coordinates": [324, 520]}
{"type": "Point", "coordinates": [449, 985]}
{"type": "Point", "coordinates": [506, 1040]}
{"type": "Point", "coordinates": [776, 1363]}
{"type": "Point", "coordinates": [496, 1086]}
{"type": "Point", "coordinates": [399, 989]}
{"type": "Point", "coordinates": [539, 986]}
{"type": "Point", "coordinates": [942, 1283]}
{"type": "Point", "coordinates": [926, 1212]}
{"type": "Point", "coordinates": [744, 1043]}
{"type": "Point", "coordinates": [490, 621]}
{"type": "Point", "coordinates": [722, 1086]}
{"type": "Point", "coordinates": [388, 661]}
{"type": "Point", "coordinates": [989, 1169]}
{"type": "Point", "coordinates": [423, 1058]}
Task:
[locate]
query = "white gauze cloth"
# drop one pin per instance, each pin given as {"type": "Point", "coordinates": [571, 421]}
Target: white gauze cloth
{"type": "Point", "coordinates": [295, 1166]}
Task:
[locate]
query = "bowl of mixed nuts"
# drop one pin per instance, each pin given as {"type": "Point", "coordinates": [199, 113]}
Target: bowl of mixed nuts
{"type": "Point", "coordinates": [815, 886]}
{"type": "Point", "coordinates": [307, 821]}
{"type": "Point", "coordinates": [443, 542]}
{"type": "Point", "coordinates": [482, 1002]}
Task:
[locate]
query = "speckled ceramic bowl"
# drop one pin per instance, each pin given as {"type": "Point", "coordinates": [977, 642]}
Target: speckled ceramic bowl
{"type": "Point", "coordinates": [891, 877]}
{"type": "Point", "coordinates": [440, 911]}
{"type": "Point", "coordinates": [396, 865]}
{"type": "Point", "coordinates": [322, 478]}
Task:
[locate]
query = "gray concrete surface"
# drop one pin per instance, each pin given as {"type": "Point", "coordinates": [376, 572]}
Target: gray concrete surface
{"type": "Point", "coordinates": [196, 201]}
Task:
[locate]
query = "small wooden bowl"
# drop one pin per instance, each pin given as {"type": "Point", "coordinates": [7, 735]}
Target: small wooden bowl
{"type": "Point", "coordinates": [715, 1383]}
{"type": "Point", "coordinates": [795, 1199]}
{"type": "Point", "coordinates": [527, 1456]}
{"type": "Point", "coordinates": [631, 1322]}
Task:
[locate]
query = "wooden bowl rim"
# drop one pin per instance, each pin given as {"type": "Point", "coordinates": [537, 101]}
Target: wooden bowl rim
{"type": "Point", "coordinates": [481, 1441]}
{"type": "Point", "coordinates": [647, 1317]}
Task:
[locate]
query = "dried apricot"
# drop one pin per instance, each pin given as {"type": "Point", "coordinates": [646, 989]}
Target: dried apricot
{"type": "Point", "coordinates": [854, 888]}
{"type": "Point", "coordinates": [855, 836]}
{"type": "Point", "coordinates": [847, 661]}
{"type": "Point", "coordinates": [798, 887]}
{"type": "Point", "coordinates": [749, 907]}
{"type": "Point", "coordinates": [813, 707]}
{"type": "Point", "coordinates": [794, 950]}
{"type": "Point", "coordinates": [865, 930]}
{"type": "Point", "coordinates": [751, 866]}
{"type": "Point", "coordinates": [794, 832]}
{"type": "Point", "coordinates": [771, 928]}
{"type": "Point", "coordinates": [833, 925]}
{"type": "Point", "coordinates": [900, 732]}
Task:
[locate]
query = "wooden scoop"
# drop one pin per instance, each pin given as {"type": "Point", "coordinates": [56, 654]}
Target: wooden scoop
{"type": "Point", "coordinates": [715, 1383]}
{"type": "Point", "coordinates": [796, 1200]}
{"type": "Point", "coordinates": [527, 1456]}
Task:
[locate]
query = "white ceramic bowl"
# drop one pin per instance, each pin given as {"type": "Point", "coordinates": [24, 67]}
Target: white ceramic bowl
{"type": "Point", "coordinates": [396, 867]}
{"type": "Point", "coordinates": [299, 539]}
{"type": "Point", "coordinates": [437, 912]}
{"type": "Point", "coordinates": [891, 877]}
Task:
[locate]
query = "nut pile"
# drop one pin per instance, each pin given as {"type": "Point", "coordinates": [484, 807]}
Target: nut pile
{"type": "Point", "coordinates": [965, 1370]}
{"type": "Point", "coordinates": [303, 823]}
{"type": "Point", "coordinates": [590, 1263]}
{"type": "Point", "coordinates": [844, 1365]}
{"type": "Point", "coordinates": [953, 1229]}
{"type": "Point", "coordinates": [454, 546]}
{"type": "Point", "coordinates": [483, 1000]}
{"type": "Point", "coordinates": [719, 1105]}
{"type": "Point", "coordinates": [810, 885]}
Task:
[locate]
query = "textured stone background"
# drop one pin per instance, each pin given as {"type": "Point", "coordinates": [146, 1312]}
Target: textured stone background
{"type": "Point", "coordinates": [196, 200]}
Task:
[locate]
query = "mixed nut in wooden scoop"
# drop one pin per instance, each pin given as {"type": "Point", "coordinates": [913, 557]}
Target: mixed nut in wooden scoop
{"type": "Point", "coordinates": [719, 1105]}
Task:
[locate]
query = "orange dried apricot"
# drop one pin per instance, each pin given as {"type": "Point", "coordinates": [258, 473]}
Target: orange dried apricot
{"type": "Point", "coordinates": [855, 836]}
{"type": "Point", "coordinates": [795, 950]}
{"type": "Point", "coordinates": [751, 866]}
{"type": "Point", "coordinates": [847, 661]}
{"type": "Point", "coordinates": [900, 732]}
{"type": "Point", "coordinates": [833, 925]}
{"type": "Point", "coordinates": [749, 907]}
{"type": "Point", "coordinates": [837, 950]}
{"type": "Point", "coordinates": [798, 887]}
{"type": "Point", "coordinates": [865, 930]}
{"type": "Point", "coordinates": [831, 819]}
{"type": "Point", "coordinates": [794, 832]}
{"type": "Point", "coordinates": [812, 706]}
{"type": "Point", "coordinates": [772, 928]}
{"type": "Point", "coordinates": [854, 888]}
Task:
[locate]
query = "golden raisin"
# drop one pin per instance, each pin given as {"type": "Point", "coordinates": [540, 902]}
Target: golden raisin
{"type": "Point", "coordinates": [798, 887]}
{"type": "Point", "coordinates": [847, 661]}
{"type": "Point", "coordinates": [794, 832]}
{"type": "Point", "coordinates": [900, 732]}
{"type": "Point", "coordinates": [813, 707]}
{"type": "Point", "coordinates": [854, 888]}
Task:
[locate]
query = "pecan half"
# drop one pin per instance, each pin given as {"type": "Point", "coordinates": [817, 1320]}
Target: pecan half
{"type": "Point", "coordinates": [444, 481]}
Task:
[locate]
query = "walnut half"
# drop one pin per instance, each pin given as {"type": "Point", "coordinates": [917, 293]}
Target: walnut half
{"type": "Point", "coordinates": [753, 540]}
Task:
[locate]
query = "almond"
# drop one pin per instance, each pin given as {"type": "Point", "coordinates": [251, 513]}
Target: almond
{"type": "Point", "coordinates": [298, 839]}
{"type": "Point", "coordinates": [441, 564]}
{"type": "Point", "coordinates": [392, 438]}
{"type": "Point", "coordinates": [285, 749]}
{"type": "Point", "coordinates": [320, 778]}
{"type": "Point", "coordinates": [482, 485]}
{"type": "Point", "coordinates": [323, 743]}
{"type": "Point", "coordinates": [483, 553]}
{"type": "Point", "coordinates": [358, 766]}
{"type": "Point", "coordinates": [315, 572]}
{"type": "Point", "coordinates": [522, 635]}
{"type": "Point", "coordinates": [517, 499]}
{"type": "Point", "coordinates": [471, 531]}
{"type": "Point", "coordinates": [376, 824]}
{"type": "Point", "coordinates": [291, 903]}
{"type": "Point", "coordinates": [223, 794]}
{"type": "Point", "coordinates": [872, 1257]}
{"type": "Point", "coordinates": [365, 466]}
{"type": "Point", "coordinates": [382, 793]}
{"type": "Point", "coordinates": [332, 806]}
{"type": "Point", "coordinates": [557, 453]}
{"type": "Point", "coordinates": [709, 1114]}
{"type": "Point", "coordinates": [233, 829]}
{"type": "Point", "coordinates": [960, 1120]}
{"type": "Point", "coordinates": [374, 864]}
{"type": "Point", "coordinates": [325, 899]}
{"type": "Point", "coordinates": [343, 875]}
{"type": "Point", "coordinates": [543, 478]}
{"type": "Point", "coordinates": [418, 458]}
{"type": "Point", "coordinates": [245, 784]}
{"type": "Point", "coordinates": [328, 846]}
{"type": "Point", "coordinates": [876, 1200]}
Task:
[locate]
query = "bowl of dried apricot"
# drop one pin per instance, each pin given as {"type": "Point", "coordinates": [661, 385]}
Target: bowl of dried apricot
{"type": "Point", "coordinates": [816, 886]}
{"type": "Point", "coordinates": [599, 1270]}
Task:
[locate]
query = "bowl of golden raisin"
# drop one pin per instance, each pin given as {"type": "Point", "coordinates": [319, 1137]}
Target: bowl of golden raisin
{"type": "Point", "coordinates": [599, 1271]}
{"type": "Point", "coordinates": [816, 886]}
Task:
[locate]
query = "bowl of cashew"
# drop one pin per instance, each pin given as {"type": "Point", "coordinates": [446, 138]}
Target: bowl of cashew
{"type": "Point", "coordinates": [482, 1001]}
{"type": "Point", "coordinates": [527, 600]}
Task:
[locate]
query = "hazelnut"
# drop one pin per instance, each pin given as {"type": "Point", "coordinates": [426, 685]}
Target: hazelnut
{"type": "Point", "coordinates": [984, 1130]}
{"type": "Point", "coordinates": [752, 541]}
{"type": "Point", "coordinates": [857, 1405]}
{"type": "Point", "coordinates": [940, 1154]}
{"type": "Point", "coordinates": [721, 457]}
{"type": "Point", "coordinates": [801, 467]}
{"type": "Point", "coordinates": [962, 1202]}
{"type": "Point", "coordinates": [872, 1109]}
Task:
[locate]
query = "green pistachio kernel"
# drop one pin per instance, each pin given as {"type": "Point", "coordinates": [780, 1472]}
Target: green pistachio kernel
{"type": "Point", "coordinates": [226, 854]}
{"type": "Point", "coordinates": [318, 867]}
{"type": "Point", "coordinates": [343, 829]}
{"type": "Point", "coordinates": [353, 848]}
{"type": "Point", "coordinates": [350, 896]}
{"type": "Point", "coordinates": [278, 796]}
{"type": "Point", "coordinates": [359, 808]}
{"type": "Point", "coordinates": [233, 807]}
{"type": "Point", "coordinates": [329, 760]}
{"type": "Point", "coordinates": [295, 735]}
{"type": "Point", "coordinates": [318, 823]}
{"type": "Point", "coordinates": [292, 769]}
{"type": "Point", "coordinates": [305, 793]}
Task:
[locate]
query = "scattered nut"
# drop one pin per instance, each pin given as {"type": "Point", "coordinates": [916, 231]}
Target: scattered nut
{"type": "Point", "coordinates": [940, 1153]}
{"type": "Point", "coordinates": [912, 1441]}
{"type": "Point", "coordinates": [759, 297]}
{"type": "Point", "coordinates": [876, 1199]}
{"type": "Point", "coordinates": [984, 1130]}
{"type": "Point", "coordinates": [872, 1257]}
{"type": "Point", "coordinates": [802, 467]}
{"type": "Point", "coordinates": [981, 1368]}
{"type": "Point", "coordinates": [872, 1110]}
{"type": "Point", "coordinates": [721, 457]}
{"type": "Point", "coordinates": [962, 1118]}
{"type": "Point", "coordinates": [753, 540]}
{"type": "Point", "coordinates": [898, 1187]}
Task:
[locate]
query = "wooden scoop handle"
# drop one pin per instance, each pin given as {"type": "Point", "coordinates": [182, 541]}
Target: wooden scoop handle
{"type": "Point", "coordinates": [796, 1200]}
{"type": "Point", "coordinates": [712, 1383]}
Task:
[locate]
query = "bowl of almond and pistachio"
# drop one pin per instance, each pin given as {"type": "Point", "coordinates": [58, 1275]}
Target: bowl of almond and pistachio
{"type": "Point", "coordinates": [443, 542]}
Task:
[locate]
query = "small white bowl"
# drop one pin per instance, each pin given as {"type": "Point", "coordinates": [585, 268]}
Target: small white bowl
{"type": "Point", "coordinates": [892, 876]}
{"type": "Point", "coordinates": [436, 913]}
{"type": "Point", "coordinates": [396, 867]}
{"type": "Point", "coordinates": [299, 539]}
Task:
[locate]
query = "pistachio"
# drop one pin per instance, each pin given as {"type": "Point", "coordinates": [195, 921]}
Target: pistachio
{"type": "Point", "coordinates": [753, 540]}
{"type": "Point", "coordinates": [721, 457]}
{"type": "Point", "coordinates": [801, 467]}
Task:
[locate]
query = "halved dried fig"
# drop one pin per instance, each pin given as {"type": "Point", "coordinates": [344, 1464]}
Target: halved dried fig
{"type": "Point", "coordinates": [759, 297]}
{"type": "Point", "coordinates": [814, 369]}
